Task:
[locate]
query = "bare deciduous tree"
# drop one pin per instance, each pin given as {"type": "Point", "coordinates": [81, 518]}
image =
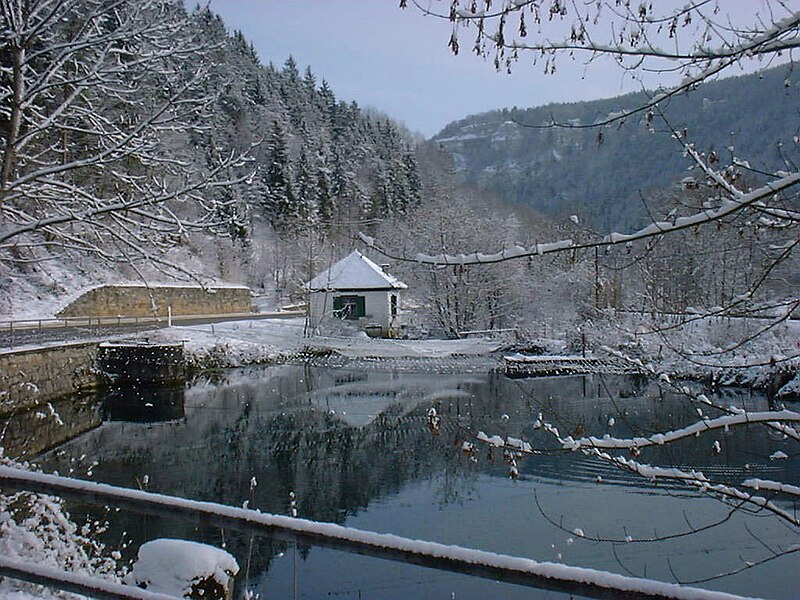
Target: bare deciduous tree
{"type": "Point", "coordinates": [698, 40]}
{"type": "Point", "coordinates": [97, 103]}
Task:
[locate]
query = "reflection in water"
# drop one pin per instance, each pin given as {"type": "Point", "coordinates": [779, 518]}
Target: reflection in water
{"type": "Point", "coordinates": [26, 434]}
{"type": "Point", "coordinates": [355, 448]}
{"type": "Point", "coordinates": [143, 404]}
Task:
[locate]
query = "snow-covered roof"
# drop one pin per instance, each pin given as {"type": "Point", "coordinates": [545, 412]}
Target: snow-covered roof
{"type": "Point", "coordinates": [354, 272]}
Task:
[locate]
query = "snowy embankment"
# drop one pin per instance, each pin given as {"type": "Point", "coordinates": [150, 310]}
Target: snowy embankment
{"type": "Point", "coordinates": [35, 529]}
{"type": "Point", "coordinates": [239, 343]}
{"type": "Point", "coordinates": [736, 351]}
{"type": "Point", "coordinates": [697, 351]}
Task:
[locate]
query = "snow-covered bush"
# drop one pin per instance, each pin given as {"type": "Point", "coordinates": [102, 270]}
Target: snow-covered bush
{"type": "Point", "coordinates": [184, 569]}
{"type": "Point", "coordinates": [37, 529]}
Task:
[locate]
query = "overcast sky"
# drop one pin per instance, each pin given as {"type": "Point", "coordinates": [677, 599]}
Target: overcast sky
{"type": "Point", "coordinates": [397, 61]}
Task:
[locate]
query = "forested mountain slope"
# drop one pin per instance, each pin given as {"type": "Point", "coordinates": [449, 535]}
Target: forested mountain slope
{"type": "Point", "coordinates": [311, 164]}
{"type": "Point", "coordinates": [599, 174]}
{"type": "Point", "coordinates": [316, 156]}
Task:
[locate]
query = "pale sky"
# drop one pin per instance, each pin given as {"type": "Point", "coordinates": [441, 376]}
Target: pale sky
{"type": "Point", "coordinates": [398, 62]}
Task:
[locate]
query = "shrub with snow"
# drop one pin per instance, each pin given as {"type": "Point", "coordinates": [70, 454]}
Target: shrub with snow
{"type": "Point", "coordinates": [184, 569]}
{"type": "Point", "coordinates": [36, 529]}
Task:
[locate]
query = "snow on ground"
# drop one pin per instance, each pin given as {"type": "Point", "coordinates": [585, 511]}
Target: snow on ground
{"type": "Point", "coordinates": [361, 346]}
{"type": "Point", "coordinates": [731, 351]}
{"type": "Point", "coordinates": [715, 341]}
{"type": "Point", "coordinates": [703, 349]}
{"type": "Point", "coordinates": [691, 352]}
{"type": "Point", "coordinates": [237, 343]}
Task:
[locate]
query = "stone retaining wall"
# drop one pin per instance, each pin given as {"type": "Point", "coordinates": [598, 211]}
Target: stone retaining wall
{"type": "Point", "coordinates": [38, 375]}
{"type": "Point", "coordinates": [141, 301]}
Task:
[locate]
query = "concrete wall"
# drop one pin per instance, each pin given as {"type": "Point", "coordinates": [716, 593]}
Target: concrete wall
{"type": "Point", "coordinates": [135, 363]}
{"type": "Point", "coordinates": [40, 401]}
{"type": "Point", "coordinates": [141, 301]}
{"type": "Point", "coordinates": [377, 305]}
{"type": "Point", "coordinates": [39, 375]}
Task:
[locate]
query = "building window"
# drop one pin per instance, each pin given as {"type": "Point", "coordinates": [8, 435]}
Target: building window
{"type": "Point", "coordinates": [349, 307]}
{"type": "Point", "coordinates": [393, 305]}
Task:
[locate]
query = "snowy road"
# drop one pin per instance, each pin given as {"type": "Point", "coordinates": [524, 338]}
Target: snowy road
{"type": "Point", "coordinates": [14, 334]}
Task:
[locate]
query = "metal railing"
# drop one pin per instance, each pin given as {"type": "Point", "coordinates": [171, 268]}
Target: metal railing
{"type": "Point", "coordinates": [60, 322]}
{"type": "Point", "coordinates": [477, 563]}
{"type": "Point", "coordinates": [20, 331]}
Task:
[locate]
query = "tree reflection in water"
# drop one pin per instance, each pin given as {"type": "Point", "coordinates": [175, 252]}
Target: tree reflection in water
{"type": "Point", "coordinates": [356, 447]}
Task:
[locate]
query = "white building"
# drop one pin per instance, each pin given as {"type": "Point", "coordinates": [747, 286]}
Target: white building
{"type": "Point", "coordinates": [355, 289]}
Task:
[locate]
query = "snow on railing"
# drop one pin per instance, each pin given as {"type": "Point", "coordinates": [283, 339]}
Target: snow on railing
{"type": "Point", "coordinates": [522, 571]}
{"type": "Point", "coordinates": [92, 587]}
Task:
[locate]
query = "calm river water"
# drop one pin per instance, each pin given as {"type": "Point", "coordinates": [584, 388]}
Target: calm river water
{"type": "Point", "coordinates": [356, 448]}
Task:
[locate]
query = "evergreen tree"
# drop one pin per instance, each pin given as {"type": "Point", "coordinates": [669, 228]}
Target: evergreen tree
{"type": "Point", "coordinates": [310, 82]}
{"type": "Point", "coordinates": [290, 70]}
{"type": "Point", "coordinates": [414, 189]}
{"type": "Point", "coordinates": [307, 193]}
{"type": "Point", "coordinates": [325, 205]}
{"type": "Point", "coordinates": [280, 203]}
{"type": "Point", "coordinates": [327, 101]}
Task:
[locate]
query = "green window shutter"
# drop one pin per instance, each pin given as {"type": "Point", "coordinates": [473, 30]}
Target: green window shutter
{"type": "Point", "coordinates": [360, 307]}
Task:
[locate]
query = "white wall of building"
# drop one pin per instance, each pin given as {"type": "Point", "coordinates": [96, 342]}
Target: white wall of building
{"type": "Point", "coordinates": [377, 305]}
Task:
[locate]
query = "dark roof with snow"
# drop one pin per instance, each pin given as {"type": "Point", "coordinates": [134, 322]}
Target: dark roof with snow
{"type": "Point", "coordinates": [354, 272]}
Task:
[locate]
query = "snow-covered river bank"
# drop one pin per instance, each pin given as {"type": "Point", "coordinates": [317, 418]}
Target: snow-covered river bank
{"type": "Point", "coordinates": [243, 343]}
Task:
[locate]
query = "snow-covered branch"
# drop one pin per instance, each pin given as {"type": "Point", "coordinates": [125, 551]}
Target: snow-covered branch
{"type": "Point", "coordinates": [692, 34]}
{"type": "Point", "coordinates": [704, 425]}
{"type": "Point", "coordinates": [772, 486]}
{"type": "Point", "coordinates": [659, 228]}
{"type": "Point", "coordinates": [105, 104]}
{"type": "Point", "coordinates": [698, 480]}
